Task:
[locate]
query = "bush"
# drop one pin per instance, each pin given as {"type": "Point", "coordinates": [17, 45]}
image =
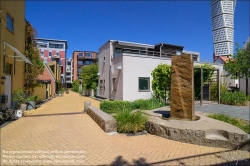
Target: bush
{"type": "Point", "coordinates": [128, 122]}
{"type": "Point", "coordinates": [244, 126]}
{"type": "Point", "coordinates": [115, 106]}
{"type": "Point", "coordinates": [142, 104]}
{"type": "Point", "coordinates": [75, 86]}
{"type": "Point", "coordinates": [233, 98]}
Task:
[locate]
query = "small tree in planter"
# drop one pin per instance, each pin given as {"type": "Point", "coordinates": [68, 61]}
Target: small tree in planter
{"type": "Point", "coordinates": [19, 96]}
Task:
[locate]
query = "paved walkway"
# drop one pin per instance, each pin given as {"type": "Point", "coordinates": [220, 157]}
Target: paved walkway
{"type": "Point", "coordinates": [242, 112]}
{"type": "Point", "coordinates": [77, 140]}
{"type": "Point", "coordinates": [69, 103]}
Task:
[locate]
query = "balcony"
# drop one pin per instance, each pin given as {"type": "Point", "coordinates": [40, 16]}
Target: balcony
{"type": "Point", "coordinates": [55, 56]}
{"type": "Point", "coordinates": [68, 76]}
{"type": "Point", "coordinates": [68, 81]}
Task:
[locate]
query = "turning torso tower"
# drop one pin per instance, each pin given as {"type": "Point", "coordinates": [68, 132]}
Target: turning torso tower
{"type": "Point", "coordinates": [222, 14]}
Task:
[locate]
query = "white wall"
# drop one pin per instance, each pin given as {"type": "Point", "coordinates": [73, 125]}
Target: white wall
{"type": "Point", "coordinates": [142, 66]}
{"type": "Point", "coordinates": [104, 67]}
{"type": "Point", "coordinates": [138, 66]}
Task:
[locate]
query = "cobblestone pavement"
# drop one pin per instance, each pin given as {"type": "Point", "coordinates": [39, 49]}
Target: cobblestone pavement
{"type": "Point", "coordinates": [77, 140]}
{"type": "Point", "coordinates": [242, 112]}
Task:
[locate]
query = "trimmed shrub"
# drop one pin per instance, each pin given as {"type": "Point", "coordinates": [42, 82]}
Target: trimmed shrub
{"type": "Point", "coordinates": [129, 122]}
{"type": "Point", "coordinates": [115, 106]}
{"type": "Point", "coordinates": [240, 124]}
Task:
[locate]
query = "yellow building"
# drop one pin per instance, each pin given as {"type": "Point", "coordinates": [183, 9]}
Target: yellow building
{"type": "Point", "coordinates": [12, 45]}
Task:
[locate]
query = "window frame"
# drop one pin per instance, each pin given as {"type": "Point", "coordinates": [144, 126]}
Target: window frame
{"type": "Point", "coordinates": [147, 90]}
{"type": "Point", "coordinates": [12, 19]}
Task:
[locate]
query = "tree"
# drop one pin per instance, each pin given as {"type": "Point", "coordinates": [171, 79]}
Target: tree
{"type": "Point", "coordinates": [162, 81]}
{"type": "Point", "coordinates": [238, 66]}
{"type": "Point", "coordinates": [31, 72]}
{"type": "Point", "coordinates": [89, 76]}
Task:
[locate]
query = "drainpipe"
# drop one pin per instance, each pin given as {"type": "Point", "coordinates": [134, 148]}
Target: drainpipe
{"type": "Point", "coordinates": [160, 49]}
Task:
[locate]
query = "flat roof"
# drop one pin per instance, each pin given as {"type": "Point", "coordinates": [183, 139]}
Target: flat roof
{"type": "Point", "coordinates": [57, 40]}
{"type": "Point", "coordinates": [84, 51]}
{"type": "Point", "coordinates": [169, 45]}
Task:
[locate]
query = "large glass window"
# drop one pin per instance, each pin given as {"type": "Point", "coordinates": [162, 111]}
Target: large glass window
{"type": "Point", "coordinates": [50, 54]}
{"type": "Point", "coordinates": [88, 55]}
{"type": "Point", "coordinates": [79, 62]}
{"type": "Point", "coordinates": [9, 23]}
{"type": "Point", "coordinates": [80, 55]}
{"type": "Point", "coordinates": [144, 84]}
{"type": "Point", "coordinates": [51, 45]}
{"type": "Point", "coordinates": [88, 62]}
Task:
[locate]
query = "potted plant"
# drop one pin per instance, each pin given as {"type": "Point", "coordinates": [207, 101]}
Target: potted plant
{"type": "Point", "coordinates": [31, 102]}
{"type": "Point", "coordinates": [63, 90]}
{"type": "Point", "coordinates": [67, 91]}
{"type": "Point", "coordinates": [19, 96]}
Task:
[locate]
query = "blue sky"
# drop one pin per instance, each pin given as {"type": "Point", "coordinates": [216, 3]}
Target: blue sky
{"type": "Point", "coordinates": [87, 25]}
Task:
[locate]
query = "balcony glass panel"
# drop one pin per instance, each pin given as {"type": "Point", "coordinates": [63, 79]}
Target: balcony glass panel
{"type": "Point", "coordinates": [88, 55]}
{"type": "Point", "coordinates": [88, 62]}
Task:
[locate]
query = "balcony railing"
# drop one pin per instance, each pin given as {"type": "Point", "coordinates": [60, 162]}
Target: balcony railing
{"type": "Point", "coordinates": [141, 52]}
{"type": "Point", "coordinates": [145, 53]}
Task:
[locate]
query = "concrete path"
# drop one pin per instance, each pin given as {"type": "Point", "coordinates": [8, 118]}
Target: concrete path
{"type": "Point", "coordinates": [77, 140]}
{"type": "Point", "coordinates": [242, 112]}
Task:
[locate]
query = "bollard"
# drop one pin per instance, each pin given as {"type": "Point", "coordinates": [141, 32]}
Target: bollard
{"type": "Point", "coordinates": [86, 104]}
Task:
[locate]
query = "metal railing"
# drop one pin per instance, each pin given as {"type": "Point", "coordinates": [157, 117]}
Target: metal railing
{"type": "Point", "coordinates": [141, 52]}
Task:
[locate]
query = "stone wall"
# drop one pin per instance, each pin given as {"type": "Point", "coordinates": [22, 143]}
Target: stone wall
{"type": "Point", "coordinates": [105, 121]}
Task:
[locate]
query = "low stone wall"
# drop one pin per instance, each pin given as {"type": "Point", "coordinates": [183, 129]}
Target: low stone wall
{"type": "Point", "coordinates": [207, 136]}
{"type": "Point", "coordinates": [104, 120]}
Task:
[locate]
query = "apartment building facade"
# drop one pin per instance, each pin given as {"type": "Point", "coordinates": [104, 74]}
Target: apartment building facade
{"type": "Point", "coordinates": [12, 45]}
{"type": "Point", "coordinates": [81, 59]}
{"type": "Point", "coordinates": [54, 50]}
{"type": "Point", "coordinates": [69, 72]}
{"type": "Point", "coordinates": [124, 68]}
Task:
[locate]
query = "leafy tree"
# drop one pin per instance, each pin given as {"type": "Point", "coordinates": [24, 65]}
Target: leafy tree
{"type": "Point", "coordinates": [208, 71]}
{"type": "Point", "coordinates": [162, 81]}
{"type": "Point", "coordinates": [89, 76]}
{"type": "Point", "coordinates": [31, 72]}
{"type": "Point", "coordinates": [239, 65]}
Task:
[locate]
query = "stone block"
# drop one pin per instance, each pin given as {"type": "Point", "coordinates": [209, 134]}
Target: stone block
{"type": "Point", "coordinates": [104, 120]}
{"type": "Point", "coordinates": [182, 89]}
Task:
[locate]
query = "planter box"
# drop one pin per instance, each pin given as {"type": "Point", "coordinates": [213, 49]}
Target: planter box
{"type": "Point", "coordinates": [31, 105]}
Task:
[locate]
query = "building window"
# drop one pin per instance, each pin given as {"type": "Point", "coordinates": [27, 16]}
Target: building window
{"type": "Point", "coordinates": [10, 22]}
{"type": "Point", "coordinates": [80, 63]}
{"type": "Point", "coordinates": [144, 84]}
{"type": "Point", "coordinates": [51, 45]}
{"type": "Point", "coordinates": [42, 53]}
{"type": "Point", "coordinates": [80, 55]}
{"type": "Point", "coordinates": [88, 62]}
{"type": "Point", "coordinates": [88, 55]}
{"type": "Point", "coordinates": [79, 70]}
{"type": "Point", "coordinates": [57, 53]}
{"type": "Point", "coordinates": [50, 53]}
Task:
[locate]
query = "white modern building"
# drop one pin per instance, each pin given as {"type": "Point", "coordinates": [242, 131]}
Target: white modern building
{"type": "Point", "coordinates": [125, 67]}
{"type": "Point", "coordinates": [222, 14]}
{"type": "Point", "coordinates": [69, 72]}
